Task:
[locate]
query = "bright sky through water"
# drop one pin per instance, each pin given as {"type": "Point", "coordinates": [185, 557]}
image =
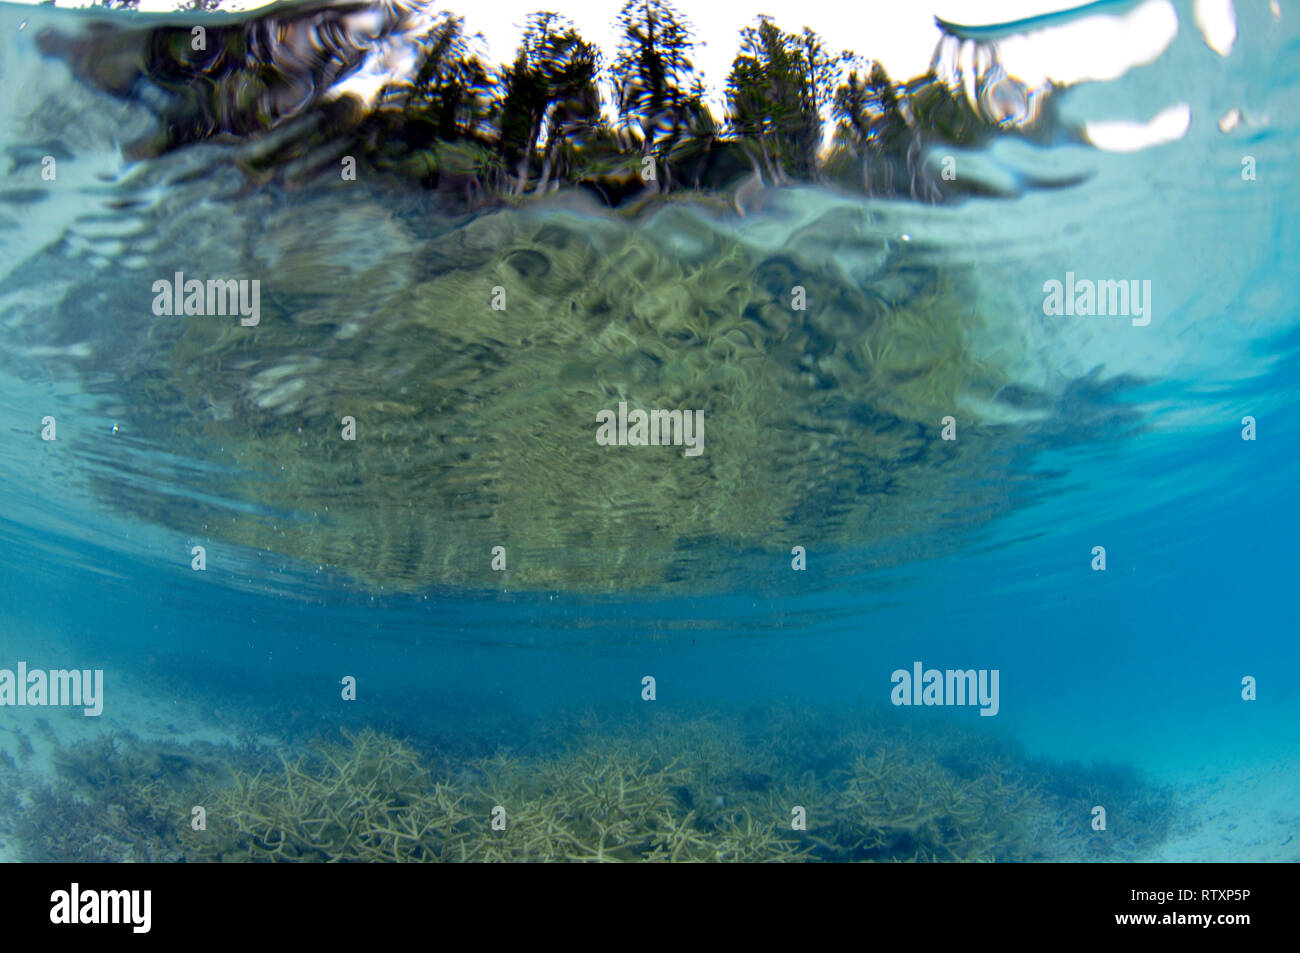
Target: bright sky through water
{"type": "Point", "coordinates": [898, 33]}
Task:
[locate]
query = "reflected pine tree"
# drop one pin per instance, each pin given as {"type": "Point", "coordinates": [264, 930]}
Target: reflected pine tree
{"type": "Point", "coordinates": [872, 135]}
{"type": "Point", "coordinates": [660, 99]}
{"type": "Point", "coordinates": [778, 85]}
{"type": "Point", "coordinates": [650, 73]}
{"type": "Point", "coordinates": [550, 108]}
{"type": "Point", "coordinates": [459, 124]}
{"type": "Point", "coordinates": [438, 127]}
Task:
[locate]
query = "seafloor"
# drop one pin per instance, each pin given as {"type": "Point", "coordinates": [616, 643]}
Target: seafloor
{"type": "Point", "coordinates": [601, 785]}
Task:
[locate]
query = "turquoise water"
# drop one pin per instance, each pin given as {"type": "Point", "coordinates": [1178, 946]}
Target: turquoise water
{"type": "Point", "coordinates": [1119, 687]}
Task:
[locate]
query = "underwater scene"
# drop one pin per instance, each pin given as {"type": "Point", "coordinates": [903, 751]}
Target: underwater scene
{"type": "Point", "coordinates": [647, 440]}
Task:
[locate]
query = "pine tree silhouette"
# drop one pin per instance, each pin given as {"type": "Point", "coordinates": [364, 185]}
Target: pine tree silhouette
{"type": "Point", "coordinates": [538, 121]}
{"type": "Point", "coordinates": [549, 102]}
{"type": "Point", "coordinates": [778, 84]}
{"type": "Point", "coordinates": [651, 71]}
{"type": "Point", "coordinates": [452, 89]}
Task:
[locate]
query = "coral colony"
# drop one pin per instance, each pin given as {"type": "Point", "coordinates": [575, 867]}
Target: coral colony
{"type": "Point", "coordinates": [774, 786]}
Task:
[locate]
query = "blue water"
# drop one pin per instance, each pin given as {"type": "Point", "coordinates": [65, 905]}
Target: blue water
{"type": "Point", "coordinates": [1139, 665]}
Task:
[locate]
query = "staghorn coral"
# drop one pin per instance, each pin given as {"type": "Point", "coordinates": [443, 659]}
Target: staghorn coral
{"type": "Point", "coordinates": [368, 800]}
{"type": "Point", "coordinates": [891, 805]}
{"type": "Point", "coordinates": [119, 800]}
{"type": "Point", "coordinates": [708, 788]}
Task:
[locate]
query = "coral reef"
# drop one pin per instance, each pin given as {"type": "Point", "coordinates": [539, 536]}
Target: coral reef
{"type": "Point", "coordinates": [366, 800]}
{"type": "Point", "coordinates": [1137, 814]}
{"type": "Point", "coordinates": [705, 788]}
{"type": "Point", "coordinates": [119, 800]}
